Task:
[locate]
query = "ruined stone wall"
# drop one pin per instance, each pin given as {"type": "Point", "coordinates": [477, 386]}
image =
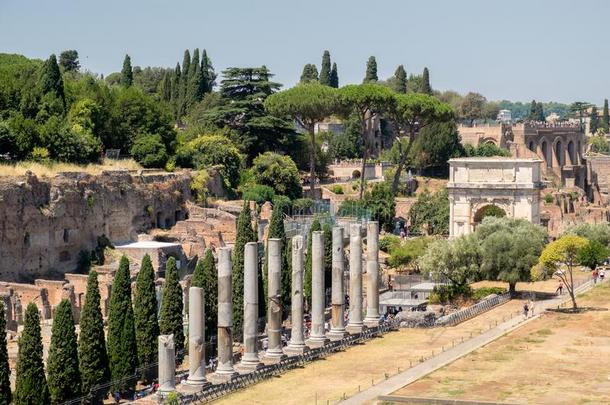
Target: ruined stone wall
{"type": "Point", "coordinates": [46, 223]}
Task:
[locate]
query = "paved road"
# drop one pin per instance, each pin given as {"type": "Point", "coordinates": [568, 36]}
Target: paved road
{"type": "Point", "coordinates": [415, 373]}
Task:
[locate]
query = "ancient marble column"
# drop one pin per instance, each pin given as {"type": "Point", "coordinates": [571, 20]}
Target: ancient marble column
{"type": "Point", "coordinates": [196, 337]}
{"type": "Point", "coordinates": [224, 370]}
{"type": "Point", "coordinates": [337, 325]}
{"type": "Point", "coordinates": [355, 324]}
{"type": "Point", "coordinates": [372, 271]}
{"type": "Point", "coordinates": [317, 337]}
{"type": "Point", "coordinates": [250, 361]}
{"type": "Point", "coordinates": [296, 345]}
{"type": "Point", "coordinates": [274, 351]}
{"type": "Point", "coordinates": [167, 364]}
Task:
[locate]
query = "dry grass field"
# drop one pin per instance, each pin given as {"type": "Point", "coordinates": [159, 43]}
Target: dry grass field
{"type": "Point", "coordinates": [556, 359]}
{"type": "Point", "coordinates": [51, 169]}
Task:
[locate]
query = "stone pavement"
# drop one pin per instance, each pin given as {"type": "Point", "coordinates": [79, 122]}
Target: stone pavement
{"type": "Point", "coordinates": [415, 373]}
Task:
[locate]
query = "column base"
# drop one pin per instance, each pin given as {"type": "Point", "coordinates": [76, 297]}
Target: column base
{"type": "Point", "coordinates": [315, 342]}
{"type": "Point", "coordinates": [198, 383]}
{"type": "Point", "coordinates": [355, 328]}
{"type": "Point", "coordinates": [273, 357]}
{"type": "Point", "coordinates": [371, 322]}
{"type": "Point", "coordinates": [248, 367]}
{"type": "Point", "coordinates": [336, 334]}
{"type": "Point", "coordinates": [221, 377]}
{"type": "Point", "coordinates": [295, 350]}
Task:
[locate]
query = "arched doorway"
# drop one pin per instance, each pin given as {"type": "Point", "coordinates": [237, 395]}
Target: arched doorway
{"type": "Point", "coordinates": [546, 155]}
{"type": "Point", "coordinates": [531, 146]}
{"type": "Point", "coordinates": [490, 210]}
{"type": "Point", "coordinates": [571, 153]}
{"type": "Point", "coordinates": [559, 153]}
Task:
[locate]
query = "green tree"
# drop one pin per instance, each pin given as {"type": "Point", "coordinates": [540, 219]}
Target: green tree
{"type": "Point", "coordinates": [68, 60]}
{"type": "Point", "coordinates": [593, 120]}
{"type": "Point", "coordinates": [308, 104]}
{"type": "Point", "coordinates": [509, 249]}
{"type": "Point", "coordinates": [31, 385]}
{"type": "Point", "coordinates": [430, 213]}
{"type": "Point", "coordinates": [207, 70]}
{"type": "Point", "coordinates": [605, 122]}
{"type": "Point", "coordinates": [539, 112]}
{"type": "Point", "coordinates": [127, 72]}
{"type": "Point", "coordinates": [310, 73]}
{"type": "Point", "coordinates": [62, 364]}
{"type": "Point", "coordinates": [599, 233]}
{"type": "Point", "coordinates": [171, 319]}
{"type": "Point", "coordinates": [175, 95]}
{"type": "Point", "coordinates": [276, 230]}
{"type": "Point", "coordinates": [411, 114]}
{"type": "Point", "coordinates": [382, 205]}
{"type": "Point", "coordinates": [599, 144]}
{"type": "Point", "coordinates": [315, 226]}
{"type": "Point", "coordinates": [559, 258]}
{"type": "Point", "coordinates": [149, 151]}
{"type": "Point", "coordinates": [426, 88]}
{"type": "Point", "coordinates": [92, 354]}
{"type": "Point", "coordinates": [334, 77]}
{"type": "Point", "coordinates": [365, 100]}
{"type": "Point", "coordinates": [325, 77]}
{"type": "Point", "coordinates": [206, 277]}
{"type": "Point", "coordinates": [371, 71]}
{"type": "Point", "coordinates": [245, 234]}
{"type": "Point", "coordinates": [436, 144]}
{"type": "Point", "coordinates": [279, 172]}
{"type": "Point", "coordinates": [593, 254]}
{"type": "Point", "coordinates": [472, 107]}
{"type": "Point", "coordinates": [5, 372]}
{"type": "Point", "coordinates": [398, 82]}
{"type": "Point", "coordinates": [51, 80]}
{"type": "Point", "coordinates": [145, 315]}
{"type": "Point", "coordinates": [122, 347]}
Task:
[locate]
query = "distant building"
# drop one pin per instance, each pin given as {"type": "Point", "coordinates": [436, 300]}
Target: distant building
{"type": "Point", "coordinates": [505, 116]}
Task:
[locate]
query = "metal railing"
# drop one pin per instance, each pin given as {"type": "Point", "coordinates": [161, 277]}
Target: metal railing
{"type": "Point", "coordinates": [471, 312]}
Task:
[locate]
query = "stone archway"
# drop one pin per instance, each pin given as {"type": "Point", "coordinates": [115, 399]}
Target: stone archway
{"type": "Point", "coordinates": [488, 210]}
{"type": "Point", "coordinates": [571, 153]}
{"type": "Point", "coordinates": [548, 159]}
{"type": "Point", "coordinates": [559, 153]}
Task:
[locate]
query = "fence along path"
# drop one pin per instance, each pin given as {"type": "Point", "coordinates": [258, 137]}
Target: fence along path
{"type": "Point", "coordinates": [472, 311]}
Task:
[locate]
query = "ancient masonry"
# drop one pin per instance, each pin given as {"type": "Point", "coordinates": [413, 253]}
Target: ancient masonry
{"type": "Point", "coordinates": [251, 359]}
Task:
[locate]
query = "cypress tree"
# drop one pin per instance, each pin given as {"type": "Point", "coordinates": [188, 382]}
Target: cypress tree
{"type": "Point", "coordinates": [184, 82]}
{"type": "Point", "coordinates": [315, 226]}
{"type": "Point", "coordinates": [62, 364]}
{"type": "Point", "coordinates": [127, 72]}
{"type": "Point", "coordinates": [594, 120]}
{"type": "Point", "coordinates": [92, 354]}
{"type": "Point", "coordinates": [165, 90]}
{"type": "Point", "coordinates": [5, 372]}
{"type": "Point", "coordinates": [245, 234]}
{"type": "Point", "coordinates": [206, 277]}
{"type": "Point", "coordinates": [334, 77]}
{"type": "Point", "coordinates": [532, 114]}
{"type": "Point", "coordinates": [194, 81]}
{"type": "Point", "coordinates": [122, 347]}
{"type": "Point", "coordinates": [399, 84]}
{"type": "Point", "coordinates": [605, 123]}
{"type": "Point", "coordinates": [207, 70]}
{"type": "Point", "coordinates": [328, 254]}
{"type": "Point", "coordinates": [426, 88]}
{"type": "Point", "coordinates": [310, 73]}
{"type": "Point", "coordinates": [171, 320]}
{"type": "Point", "coordinates": [371, 70]}
{"type": "Point", "coordinates": [325, 77]}
{"type": "Point", "coordinates": [145, 314]}
{"type": "Point", "coordinates": [31, 386]}
{"type": "Point", "coordinates": [276, 230]}
{"type": "Point", "coordinates": [50, 78]}
{"type": "Point", "coordinates": [175, 97]}
{"type": "Point", "coordinates": [194, 63]}
{"type": "Point", "coordinates": [539, 115]}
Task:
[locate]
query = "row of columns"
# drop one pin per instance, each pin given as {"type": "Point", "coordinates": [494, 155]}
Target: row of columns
{"type": "Point", "coordinates": [250, 360]}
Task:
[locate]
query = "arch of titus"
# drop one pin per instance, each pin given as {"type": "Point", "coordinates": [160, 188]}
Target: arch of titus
{"type": "Point", "coordinates": [477, 183]}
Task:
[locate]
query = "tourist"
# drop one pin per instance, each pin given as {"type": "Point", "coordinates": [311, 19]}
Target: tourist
{"type": "Point", "coordinates": [531, 305]}
{"type": "Point", "coordinates": [594, 275]}
{"type": "Point", "coordinates": [602, 274]}
{"type": "Point", "coordinates": [559, 290]}
{"type": "Point", "coordinates": [525, 310]}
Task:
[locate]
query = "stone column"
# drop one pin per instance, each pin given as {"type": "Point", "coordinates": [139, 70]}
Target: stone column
{"type": "Point", "coordinates": [196, 337]}
{"type": "Point", "coordinates": [296, 345]}
{"type": "Point", "coordinates": [274, 351]}
{"type": "Point", "coordinates": [167, 364]}
{"type": "Point", "coordinates": [337, 326]}
{"type": "Point", "coordinates": [224, 371]}
{"type": "Point", "coordinates": [317, 338]}
{"type": "Point", "coordinates": [355, 324]}
{"type": "Point", "coordinates": [372, 271]}
{"type": "Point", "coordinates": [250, 361]}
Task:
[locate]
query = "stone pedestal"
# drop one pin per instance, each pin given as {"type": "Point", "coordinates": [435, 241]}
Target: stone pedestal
{"type": "Point", "coordinates": [250, 361]}
{"type": "Point", "coordinates": [355, 324]}
{"type": "Point", "coordinates": [296, 346]}
{"type": "Point", "coordinates": [317, 338]}
{"type": "Point", "coordinates": [167, 364]}
{"type": "Point", "coordinates": [274, 351]}
{"type": "Point", "coordinates": [225, 371]}
{"type": "Point", "coordinates": [372, 270]}
{"type": "Point", "coordinates": [196, 338]}
{"type": "Point", "coordinates": [337, 325]}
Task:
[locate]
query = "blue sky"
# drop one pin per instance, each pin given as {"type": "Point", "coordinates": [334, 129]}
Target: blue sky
{"type": "Point", "coordinates": [550, 50]}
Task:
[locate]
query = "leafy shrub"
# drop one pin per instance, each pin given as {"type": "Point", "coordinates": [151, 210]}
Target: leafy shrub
{"type": "Point", "coordinates": [407, 253]}
{"type": "Point", "coordinates": [548, 198]}
{"type": "Point", "coordinates": [257, 192]}
{"type": "Point", "coordinates": [387, 242]}
{"type": "Point", "coordinates": [303, 205]}
{"type": "Point", "coordinates": [40, 155]}
{"type": "Point", "coordinates": [199, 186]}
{"type": "Point", "coordinates": [442, 294]}
{"type": "Point", "coordinates": [336, 188]}
{"type": "Point", "coordinates": [483, 292]}
{"type": "Point", "coordinates": [149, 151]}
{"type": "Point", "coordinates": [279, 172]}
